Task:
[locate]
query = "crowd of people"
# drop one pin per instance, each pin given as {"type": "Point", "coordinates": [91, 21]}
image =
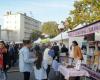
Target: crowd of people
{"type": "Point", "coordinates": [8, 57]}
{"type": "Point", "coordinates": [43, 61]}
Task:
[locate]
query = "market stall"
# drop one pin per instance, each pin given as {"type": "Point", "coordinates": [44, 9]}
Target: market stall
{"type": "Point", "coordinates": [71, 72]}
{"type": "Point", "coordinates": [62, 35]}
{"type": "Point", "coordinates": [90, 47]}
{"type": "Point", "coordinates": [38, 40]}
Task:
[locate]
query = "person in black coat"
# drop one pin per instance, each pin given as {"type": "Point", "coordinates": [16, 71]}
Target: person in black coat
{"type": "Point", "coordinates": [56, 50]}
{"type": "Point", "coordinates": [64, 50]}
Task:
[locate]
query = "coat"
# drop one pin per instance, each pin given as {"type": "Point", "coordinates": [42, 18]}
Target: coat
{"type": "Point", "coordinates": [25, 62]}
{"type": "Point", "coordinates": [47, 57]}
{"type": "Point", "coordinates": [4, 58]}
{"type": "Point", "coordinates": [1, 59]}
{"type": "Point", "coordinates": [77, 53]}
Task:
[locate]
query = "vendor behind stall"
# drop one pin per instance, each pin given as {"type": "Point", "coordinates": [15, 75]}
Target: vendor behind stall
{"type": "Point", "coordinates": [77, 54]}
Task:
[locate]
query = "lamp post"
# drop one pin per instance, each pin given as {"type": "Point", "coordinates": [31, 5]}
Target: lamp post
{"type": "Point", "coordinates": [61, 28]}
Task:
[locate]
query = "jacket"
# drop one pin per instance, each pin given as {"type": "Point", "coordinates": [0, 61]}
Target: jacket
{"type": "Point", "coordinates": [6, 60]}
{"type": "Point", "coordinates": [25, 62]}
{"type": "Point", "coordinates": [78, 53]}
{"type": "Point", "coordinates": [1, 59]}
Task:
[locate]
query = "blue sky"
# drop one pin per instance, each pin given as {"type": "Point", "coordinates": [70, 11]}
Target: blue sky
{"type": "Point", "coordinates": [43, 10]}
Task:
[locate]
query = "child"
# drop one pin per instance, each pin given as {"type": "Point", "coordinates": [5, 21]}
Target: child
{"type": "Point", "coordinates": [40, 67]}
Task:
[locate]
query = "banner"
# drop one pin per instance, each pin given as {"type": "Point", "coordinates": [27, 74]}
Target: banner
{"type": "Point", "coordinates": [85, 30]}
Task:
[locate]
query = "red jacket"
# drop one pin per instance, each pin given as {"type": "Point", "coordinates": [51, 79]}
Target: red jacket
{"type": "Point", "coordinates": [1, 59]}
{"type": "Point", "coordinates": [2, 51]}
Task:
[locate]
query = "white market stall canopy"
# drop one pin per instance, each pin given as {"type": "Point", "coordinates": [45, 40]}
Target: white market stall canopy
{"type": "Point", "coordinates": [58, 37]}
{"type": "Point", "coordinates": [19, 42]}
{"type": "Point", "coordinates": [38, 41]}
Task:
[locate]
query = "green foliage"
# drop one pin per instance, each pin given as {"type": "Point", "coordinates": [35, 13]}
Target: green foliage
{"type": "Point", "coordinates": [50, 28]}
{"type": "Point", "coordinates": [36, 34]}
{"type": "Point", "coordinates": [85, 11]}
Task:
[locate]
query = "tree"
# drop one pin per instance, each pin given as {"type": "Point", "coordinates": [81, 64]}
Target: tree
{"type": "Point", "coordinates": [35, 35]}
{"type": "Point", "coordinates": [50, 28]}
{"type": "Point", "coordinates": [85, 11]}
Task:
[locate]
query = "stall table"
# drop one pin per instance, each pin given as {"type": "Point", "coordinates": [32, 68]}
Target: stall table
{"type": "Point", "coordinates": [71, 72]}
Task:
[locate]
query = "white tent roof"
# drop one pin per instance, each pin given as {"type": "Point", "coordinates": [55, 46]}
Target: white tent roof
{"type": "Point", "coordinates": [19, 42]}
{"type": "Point", "coordinates": [79, 26]}
{"type": "Point", "coordinates": [38, 41]}
{"type": "Point", "coordinates": [58, 37]}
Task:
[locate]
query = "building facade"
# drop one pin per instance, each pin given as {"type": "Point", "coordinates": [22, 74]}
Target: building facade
{"type": "Point", "coordinates": [19, 26]}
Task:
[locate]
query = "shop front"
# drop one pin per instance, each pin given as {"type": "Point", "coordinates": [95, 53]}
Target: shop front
{"type": "Point", "coordinates": [90, 47]}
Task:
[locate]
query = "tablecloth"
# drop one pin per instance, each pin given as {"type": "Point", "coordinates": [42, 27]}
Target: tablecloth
{"type": "Point", "coordinates": [71, 72]}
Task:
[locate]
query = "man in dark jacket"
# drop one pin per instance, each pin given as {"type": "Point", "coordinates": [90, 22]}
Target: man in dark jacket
{"type": "Point", "coordinates": [56, 50]}
{"type": "Point", "coordinates": [64, 50]}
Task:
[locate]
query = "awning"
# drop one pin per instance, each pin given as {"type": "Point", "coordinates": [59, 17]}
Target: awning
{"type": "Point", "coordinates": [88, 29]}
{"type": "Point", "coordinates": [38, 41]}
{"type": "Point", "coordinates": [58, 37]}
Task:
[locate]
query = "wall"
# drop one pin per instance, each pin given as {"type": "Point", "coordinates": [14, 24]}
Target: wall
{"type": "Point", "coordinates": [7, 35]}
{"type": "Point", "coordinates": [97, 36]}
{"type": "Point", "coordinates": [21, 24]}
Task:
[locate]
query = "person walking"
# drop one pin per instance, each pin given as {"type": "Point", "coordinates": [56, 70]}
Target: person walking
{"type": "Point", "coordinates": [12, 55]}
{"type": "Point", "coordinates": [48, 58]}
{"type": "Point", "coordinates": [4, 60]}
{"type": "Point", "coordinates": [25, 62]}
{"type": "Point", "coordinates": [40, 67]}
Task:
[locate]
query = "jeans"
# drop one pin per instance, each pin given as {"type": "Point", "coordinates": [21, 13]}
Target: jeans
{"type": "Point", "coordinates": [48, 70]}
{"type": "Point", "coordinates": [3, 75]}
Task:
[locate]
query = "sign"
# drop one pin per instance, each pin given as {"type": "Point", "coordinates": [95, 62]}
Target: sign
{"type": "Point", "coordinates": [85, 30]}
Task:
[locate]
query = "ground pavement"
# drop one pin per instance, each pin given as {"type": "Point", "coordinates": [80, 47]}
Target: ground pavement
{"type": "Point", "coordinates": [14, 74]}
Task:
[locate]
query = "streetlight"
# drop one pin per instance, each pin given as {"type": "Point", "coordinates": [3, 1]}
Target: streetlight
{"type": "Point", "coordinates": [61, 28]}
